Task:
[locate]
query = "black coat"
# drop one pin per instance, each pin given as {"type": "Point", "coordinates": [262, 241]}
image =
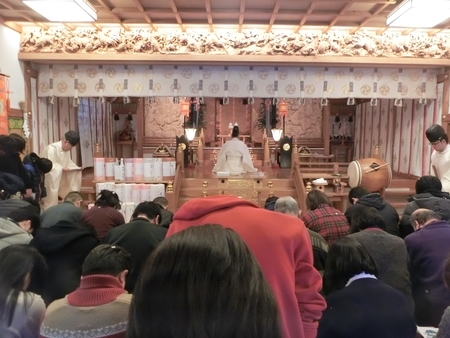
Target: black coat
{"type": "Point", "coordinates": [438, 201]}
{"type": "Point", "coordinates": [139, 238]}
{"type": "Point", "coordinates": [367, 308]}
{"type": "Point", "coordinates": [387, 211]}
{"type": "Point", "coordinates": [64, 246]}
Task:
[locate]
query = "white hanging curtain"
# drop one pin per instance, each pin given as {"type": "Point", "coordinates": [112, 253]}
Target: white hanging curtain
{"type": "Point", "coordinates": [95, 123]}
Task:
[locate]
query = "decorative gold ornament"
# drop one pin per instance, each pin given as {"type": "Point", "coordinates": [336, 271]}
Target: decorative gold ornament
{"type": "Point", "coordinates": [170, 186]}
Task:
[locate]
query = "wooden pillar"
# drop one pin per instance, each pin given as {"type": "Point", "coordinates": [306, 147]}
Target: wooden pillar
{"type": "Point", "coordinates": [326, 130]}
{"type": "Point", "coordinates": [28, 74]}
{"type": "Point", "coordinates": [445, 78]}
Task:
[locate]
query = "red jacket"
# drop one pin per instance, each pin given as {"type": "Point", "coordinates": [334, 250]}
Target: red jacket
{"type": "Point", "coordinates": [282, 247]}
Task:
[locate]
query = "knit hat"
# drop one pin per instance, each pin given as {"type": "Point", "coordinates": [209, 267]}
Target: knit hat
{"type": "Point", "coordinates": [435, 133]}
{"type": "Point", "coordinates": [44, 165]}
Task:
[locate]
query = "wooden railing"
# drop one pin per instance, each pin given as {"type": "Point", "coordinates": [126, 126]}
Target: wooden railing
{"type": "Point", "coordinates": [174, 188]}
{"type": "Point", "coordinates": [299, 188]}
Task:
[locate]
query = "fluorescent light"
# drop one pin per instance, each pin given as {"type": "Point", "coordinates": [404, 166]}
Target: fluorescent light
{"type": "Point", "coordinates": [419, 13]}
{"type": "Point", "coordinates": [63, 10]}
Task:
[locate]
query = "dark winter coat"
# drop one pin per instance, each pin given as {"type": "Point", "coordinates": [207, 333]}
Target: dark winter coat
{"type": "Point", "coordinates": [387, 211]}
{"type": "Point", "coordinates": [438, 201]}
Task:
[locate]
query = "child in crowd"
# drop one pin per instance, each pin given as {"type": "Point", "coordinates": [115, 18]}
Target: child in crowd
{"type": "Point", "coordinates": [36, 168]}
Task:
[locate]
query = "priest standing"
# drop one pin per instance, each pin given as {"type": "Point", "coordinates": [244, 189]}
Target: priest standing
{"type": "Point", "coordinates": [234, 157]}
{"type": "Point", "coordinates": [65, 175]}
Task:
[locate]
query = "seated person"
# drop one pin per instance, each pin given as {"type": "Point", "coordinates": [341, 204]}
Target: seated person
{"type": "Point", "coordinates": [444, 325]}
{"type": "Point", "coordinates": [105, 214]}
{"type": "Point", "coordinates": [359, 304]}
{"type": "Point", "coordinates": [360, 196]}
{"type": "Point", "coordinates": [99, 306]}
{"type": "Point", "coordinates": [234, 156]}
{"type": "Point", "coordinates": [429, 195]}
{"type": "Point", "coordinates": [36, 168]}
{"type": "Point", "coordinates": [289, 206]}
{"type": "Point", "coordinates": [322, 218]}
{"type": "Point", "coordinates": [21, 311]}
{"type": "Point", "coordinates": [166, 215]}
{"type": "Point", "coordinates": [203, 282]}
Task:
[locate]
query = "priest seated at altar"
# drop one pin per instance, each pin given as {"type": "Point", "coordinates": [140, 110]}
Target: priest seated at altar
{"type": "Point", "coordinates": [234, 157]}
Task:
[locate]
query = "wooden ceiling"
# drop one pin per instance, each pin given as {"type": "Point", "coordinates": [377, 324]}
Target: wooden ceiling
{"type": "Point", "coordinates": [233, 14]}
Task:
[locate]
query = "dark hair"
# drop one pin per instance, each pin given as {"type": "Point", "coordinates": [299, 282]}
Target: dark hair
{"type": "Point", "coordinates": [16, 262]}
{"type": "Point", "coordinates": [73, 196]}
{"type": "Point", "coordinates": [72, 137]}
{"type": "Point", "coordinates": [206, 280]}
{"type": "Point", "coordinates": [270, 203]}
{"type": "Point", "coordinates": [315, 198]}
{"type": "Point", "coordinates": [162, 201]}
{"type": "Point", "coordinates": [357, 192]}
{"type": "Point", "coordinates": [346, 258]}
{"type": "Point", "coordinates": [44, 165]}
{"type": "Point", "coordinates": [27, 213]}
{"type": "Point", "coordinates": [108, 198]}
{"type": "Point", "coordinates": [364, 217]}
{"type": "Point", "coordinates": [7, 145]}
{"type": "Point", "coordinates": [19, 142]}
{"type": "Point", "coordinates": [428, 183]}
{"type": "Point", "coordinates": [107, 259]}
{"type": "Point", "coordinates": [235, 132]}
{"type": "Point", "coordinates": [34, 203]}
{"type": "Point", "coordinates": [149, 209]}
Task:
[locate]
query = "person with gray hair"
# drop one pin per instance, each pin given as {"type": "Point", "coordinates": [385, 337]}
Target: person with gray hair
{"type": "Point", "coordinates": [427, 250]}
{"type": "Point", "coordinates": [289, 206]}
{"type": "Point", "coordinates": [423, 217]}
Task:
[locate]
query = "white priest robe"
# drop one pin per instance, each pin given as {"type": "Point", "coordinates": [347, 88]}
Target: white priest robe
{"type": "Point", "coordinates": [234, 158]}
{"type": "Point", "coordinates": [57, 181]}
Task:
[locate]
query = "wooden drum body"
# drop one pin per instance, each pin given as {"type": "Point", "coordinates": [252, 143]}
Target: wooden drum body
{"type": "Point", "coordinates": [371, 173]}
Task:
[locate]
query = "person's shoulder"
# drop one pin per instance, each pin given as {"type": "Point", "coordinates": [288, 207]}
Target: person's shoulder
{"type": "Point", "coordinates": [124, 298]}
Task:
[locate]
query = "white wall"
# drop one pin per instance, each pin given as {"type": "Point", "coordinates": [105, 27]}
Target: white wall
{"type": "Point", "coordinates": [10, 65]}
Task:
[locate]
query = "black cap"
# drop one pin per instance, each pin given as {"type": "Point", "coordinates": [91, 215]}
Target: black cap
{"type": "Point", "coordinates": [435, 133]}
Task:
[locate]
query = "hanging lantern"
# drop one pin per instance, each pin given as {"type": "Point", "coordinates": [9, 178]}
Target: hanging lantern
{"type": "Point", "coordinates": [283, 108]}
{"type": "Point", "coordinates": [184, 108]}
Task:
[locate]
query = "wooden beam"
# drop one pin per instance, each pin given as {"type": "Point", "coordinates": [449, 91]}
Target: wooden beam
{"type": "Point", "coordinates": [177, 15]}
{"type": "Point", "coordinates": [71, 27]}
{"type": "Point", "coordinates": [366, 20]}
{"type": "Point", "coordinates": [209, 15]}
{"type": "Point", "coordinates": [109, 11]}
{"type": "Point", "coordinates": [146, 15]}
{"type": "Point", "coordinates": [273, 16]}
{"type": "Point", "coordinates": [341, 12]}
{"type": "Point", "coordinates": [246, 60]}
{"type": "Point", "coordinates": [14, 26]}
{"type": "Point", "coordinates": [305, 17]}
{"type": "Point", "coordinates": [241, 15]}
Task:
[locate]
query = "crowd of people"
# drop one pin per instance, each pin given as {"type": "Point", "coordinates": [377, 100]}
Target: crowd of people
{"type": "Point", "coordinates": [221, 266]}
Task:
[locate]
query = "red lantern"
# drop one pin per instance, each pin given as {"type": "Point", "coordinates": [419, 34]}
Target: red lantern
{"type": "Point", "coordinates": [185, 108]}
{"type": "Point", "coordinates": [283, 108]}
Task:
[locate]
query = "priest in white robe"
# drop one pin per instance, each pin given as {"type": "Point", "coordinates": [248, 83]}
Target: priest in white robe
{"type": "Point", "coordinates": [65, 175]}
{"type": "Point", "coordinates": [234, 157]}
